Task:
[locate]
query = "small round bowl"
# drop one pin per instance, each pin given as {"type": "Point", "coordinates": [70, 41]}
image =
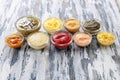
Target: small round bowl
{"type": "Point", "coordinates": [28, 24]}
{"type": "Point", "coordinates": [82, 39]}
{"type": "Point", "coordinates": [106, 38]}
{"type": "Point", "coordinates": [58, 44]}
{"type": "Point", "coordinates": [14, 40]}
{"type": "Point", "coordinates": [38, 40]}
{"type": "Point", "coordinates": [91, 30]}
{"type": "Point", "coordinates": [52, 25]}
{"type": "Point", "coordinates": [72, 25]}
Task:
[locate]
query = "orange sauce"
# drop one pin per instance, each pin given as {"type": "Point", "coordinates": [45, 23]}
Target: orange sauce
{"type": "Point", "coordinates": [82, 39]}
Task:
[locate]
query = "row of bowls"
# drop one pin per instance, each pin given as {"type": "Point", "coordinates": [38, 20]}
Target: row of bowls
{"type": "Point", "coordinates": [29, 27]}
{"type": "Point", "coordinates": [52, 25]}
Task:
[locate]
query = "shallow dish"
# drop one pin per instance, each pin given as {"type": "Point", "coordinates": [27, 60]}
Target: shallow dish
{"type": "Point", "coordinates": [82, 39]}
{"type": "Point", "coordinates": [38, 40]}
{"type": "Point", "coordinates": [52, 25]}
{"type": "Point", "coordinates": [28, 24]}
{"type": "Point", "coordinates": [61, 39]}
{"type": "Point", "coordinates": [106, 38]}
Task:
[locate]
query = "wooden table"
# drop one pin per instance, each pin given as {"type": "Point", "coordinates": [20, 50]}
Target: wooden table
{"type": "Point", "coordinates": [94, 62]}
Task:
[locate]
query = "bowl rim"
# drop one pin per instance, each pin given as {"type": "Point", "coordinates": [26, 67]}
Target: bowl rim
{"type": "Point", "coordinates": [64, 43]}
{"type": "Point", "coordinates": [107, 32]}
{"type": "Point", "coordinates": [67, 26]}
{"type": "Point", "coordinates": [38, 26]}
{"type": "Point", "coordinates": [96, 31]}
{"type": "Point", "coordinates": [53, 31]}
{"type": "Point", "coordinates": [38, 32]}
{"type": "Point", "coordinates": [82, 33]}
{"type": "Point", "coordinates": [70, 19]}
{"type": "Point", "coordinates": [22, 41]}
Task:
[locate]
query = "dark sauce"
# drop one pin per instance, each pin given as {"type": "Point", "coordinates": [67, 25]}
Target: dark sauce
{"type": "Point", "coordinates": [91, 26]}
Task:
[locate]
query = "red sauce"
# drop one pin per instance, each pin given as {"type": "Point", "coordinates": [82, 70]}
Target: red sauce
{"type": "Point", "coordinates": [61, 39]}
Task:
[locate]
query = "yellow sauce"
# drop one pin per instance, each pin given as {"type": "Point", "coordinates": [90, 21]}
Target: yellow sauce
{"type": "Point", "coordinates": [106, 38]}
{"type": "Point", "coordinates": [52, 24]}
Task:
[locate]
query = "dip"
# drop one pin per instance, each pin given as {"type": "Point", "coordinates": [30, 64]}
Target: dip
{"type": "Point", "coordinates": [52, 25]}
{"type": "Point", "coordinates": [91, 26]}
{"type": "Point", "coordinates": [72, 25]}
{"type": "Point", "coordinates": [106, 38]}
{"type": "Point", "coordinates": [27, 25]}
{"type": "Point", "coordinates": [14, 40]}
{"type": "Point", "coordinates": [61, 39]}
{"type": "Point", "coordinates": [38, 40]}
{"type": "Point", "coordinates": [82, 39]}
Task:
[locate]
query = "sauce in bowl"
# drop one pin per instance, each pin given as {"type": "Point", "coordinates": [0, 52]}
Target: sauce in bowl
{"type": "Point", "coordinates": [82, 39]}
{"type": "Point", "coordinates": [106, 38]}
{"type": "Point", "coordinates": [27, 25]}
{"type": "Point", "coordinates": [38, 40]}
{"type": "Point", "coordinates": [72, 24]}
{"type": "Point", "coordinates": [61, 39]}
{"type": "Point", "coordinates": [14, 40]}
{"type": "Point", "coordinates": [91, 26]}
{"type": "Point", "coordinates": [52, 25]}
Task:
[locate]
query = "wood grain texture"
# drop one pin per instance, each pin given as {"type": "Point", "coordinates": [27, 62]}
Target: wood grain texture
{"type": "Point", "coordinates": [94, 62]}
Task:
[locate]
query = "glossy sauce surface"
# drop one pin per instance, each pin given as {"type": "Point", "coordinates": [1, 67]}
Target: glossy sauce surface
{"type": "Point", "coordinates": [14, 40]}
{"type": "Point", "coordinates": [106, 38]}
{"type": "Point", "coordinates": [52, 25]}
{"type": "Point", "coordinates": [82, 39]}
{"type": "Point", "coordinates": [27, 25]}
{"type": "Point", "coordinates": [38, 40]}
{"type": "Point", "coordinates": [72, 24]}
{"type": "Point", "coordinates": [61, 39]}
{"type": "Point", "coordinates": [91, 26]}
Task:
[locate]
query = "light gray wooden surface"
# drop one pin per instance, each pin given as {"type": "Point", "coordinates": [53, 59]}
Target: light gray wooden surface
{"type": "Point", "coordinates": [94, 62]}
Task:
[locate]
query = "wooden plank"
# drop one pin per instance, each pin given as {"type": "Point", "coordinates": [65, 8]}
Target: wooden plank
{"type": "Point", "coordinates": [94, 62]}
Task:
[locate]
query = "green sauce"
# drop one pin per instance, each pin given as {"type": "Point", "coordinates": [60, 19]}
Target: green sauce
{"type": "Point", "coordinates": [91, 26]}
{"type": "Point", "coordinates": [27, 25]}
